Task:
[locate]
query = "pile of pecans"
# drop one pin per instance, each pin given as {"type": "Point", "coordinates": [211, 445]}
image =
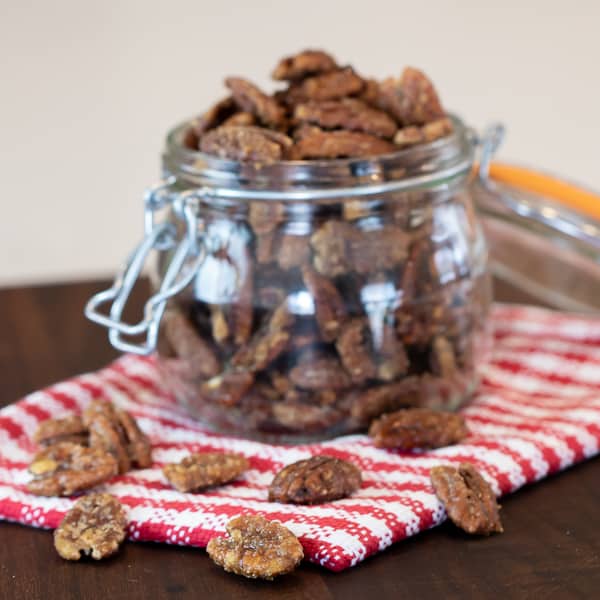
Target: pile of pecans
{"type": "Point", "coordinates": [74, 459]}
{"type": "Point", "coordinates": [311, 319]}
{"type": "Point", "coordinates": [326, 111]}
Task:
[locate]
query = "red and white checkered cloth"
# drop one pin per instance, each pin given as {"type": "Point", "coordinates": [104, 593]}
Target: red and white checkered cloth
{"type": "Point", "coordinates": [537, 412]}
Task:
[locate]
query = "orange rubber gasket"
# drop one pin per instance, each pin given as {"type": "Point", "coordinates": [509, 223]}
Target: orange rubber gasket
{"type": "Point", "coordinates": [542, 184]}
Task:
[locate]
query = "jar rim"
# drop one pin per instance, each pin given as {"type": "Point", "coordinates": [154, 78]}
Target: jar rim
{"type": "Point", "coordinates": [424, 165]}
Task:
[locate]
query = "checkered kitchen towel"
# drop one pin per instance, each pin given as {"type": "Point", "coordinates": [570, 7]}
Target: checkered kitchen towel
{"type": "Point", "coordinates": [537, 412]}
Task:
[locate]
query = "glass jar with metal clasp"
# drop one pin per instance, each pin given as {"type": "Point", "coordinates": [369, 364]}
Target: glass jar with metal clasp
{"type": "Point", "coordinates": [299, 300]}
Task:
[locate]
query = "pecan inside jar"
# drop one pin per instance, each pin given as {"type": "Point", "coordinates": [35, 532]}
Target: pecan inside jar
{"type": "Point", "coordinates": [418, 428]}
{"type": "Point", "coordinates": [315, 480]}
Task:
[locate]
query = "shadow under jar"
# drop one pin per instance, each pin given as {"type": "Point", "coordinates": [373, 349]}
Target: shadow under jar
{"type": "Point", "coordinates": [330, 292]}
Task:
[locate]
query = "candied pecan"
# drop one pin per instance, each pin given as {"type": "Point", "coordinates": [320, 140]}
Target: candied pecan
{"type": "Point", "coordinates": [417, 428]}
{"type": "Point", "coordinates": [292, 251]}
{"type": "Point", "coordinates": [242, 118]}
{"type": "Point", "coordinates": [408, 136]}
{"type": "Point", "coordinates": [265, 216]}
{"type": "Point", "coordinates": [214, 116]}
{"type": "Point", "coordinates": [442, 359]}
{"type": "Point", "coordinates": [94, 526]}
{"type": "Point", "coordinates": [304, 130]}
{"type": "Point", "coordinates": [339, 144]}
{"type": "Point", "coordinates": [411, 135]}
{"type": "Point", "coordinates": [107, 435]}
{"type": "Point", "coordinates": [330, 311]}
{"type": "Point", "coordinates": [469, 500]}
{"type": "Point", "coordinates": [96, 408]}
{"type": "Point", "coordinates": [326, 86]}
{"type": "Point", "coordinates": [67, 429]}
{"type": "Point", "coordinates": [227, 388]}
{"type": "Point", "coordinates": [412, 99]}
{"type": "Point", "coordinates": [330, 243]}
{"type": "Point", "coordinates": [206, 469]}
{"type": "Point", "coordinates": [245, 143]}
{"type": "Point", "coordinates": [370, 93]}
{"type": "Point", "coordinates": [256, 548]}
{"type": "Point", "coordinates": [377, 249]}
{"type": "Point", "coordinates": [197, 359]}
{"type": "Point", "coordinates": [303, 64]}
{"type": "Point", "coordinates": [250, 99]}
{"type": "Point", "coordinates": [348, 113]}
{"type": "Point", "coordinates": [340, 247]}
{"type": "Point", "coordinates": [66, 468]}
{"type": "Point", "coordinates": [319, 373]}
{"type": "Point", "coordinates": [354, 348]}
{"type": "Point", "coordinates": [265, 248]}
{"type": "Point", "coordinates": [137, 443]}
{"type": "Point", "coordinates": [242, 309]}
{"type": "Point", "coordinates": [296, 413]}
{"type": "Point", "coordinates": [315, 480]}
{"type": "Point", "coordinates": [372, 402]}
{"type": "Point", "coordinates": [267, 343]}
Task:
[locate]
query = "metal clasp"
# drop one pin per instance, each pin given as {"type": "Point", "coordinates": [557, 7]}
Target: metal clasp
{"type": "Point", "coordinates": [161, 237]}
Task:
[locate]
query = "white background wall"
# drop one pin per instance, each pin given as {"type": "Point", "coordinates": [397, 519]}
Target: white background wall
{"type": "Point", "coordinates": [88, 90]}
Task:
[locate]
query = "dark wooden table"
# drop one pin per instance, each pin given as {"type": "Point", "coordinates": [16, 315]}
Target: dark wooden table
{"type": "Point", "coordinates": [550, 548]}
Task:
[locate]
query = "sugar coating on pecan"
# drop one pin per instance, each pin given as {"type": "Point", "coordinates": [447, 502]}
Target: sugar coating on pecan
{"type": "Point", "coordinates": [201, 470]}
{"type": "Point", "coordinates": [137, 444]}
{"type": "Point", "coordinates": [307, 411]}
{"type": "Point", "coordinates": [347, 113]}
{"type": "Point", "coordinates": [372, 402]}
{"type": "Point", "coordinates": [66, 468]}
{"type": "Point", "coordinates": [418, 428]}
{"type": "Point", "coordinates": [67, 429]}
{"type": "Point", "coordinates": [411, 99]}
{"type": "Point", "coordinates": [341, 247]}
{"type": "Point", "coordinates": [339, 144]}
{"type": "Point", "coordinates": [251, 99]}
{"type": "Point", "coordinates": [326, 86]}
{"type": "Point", "coordinates": [468, 498]}
{"type": "Point", "coordinates": [244, 119]}
{"type": "Point", "coordinates": [227, 388]}
{"type": "Point", "coordinates": [330, 310]}
{"type": "Point", "coordinates": [94, 526]}
{"type": "Point", "coordinates": [443, 359]}
{"type": "Point", "coordinates": [267, 343]}
{"type": "Point", "coordinates": [303, 64]}
{"type": "Point", "coordinates": [413, 134]}
{"type": "Point", "coordinates": [315, 480]}
{"type": "Point", "coordinates": [256, 548]}
{"type": "Point", "coordinates": [107, 435]}
{"type": "Point", "coordinates": [354, 349]}
{"type": "Point", "coordinates": [265, 216]}
{"type": "Point", "coordinates": [315, 372]}
{"type": "Point", "coordinates": [245, 143]}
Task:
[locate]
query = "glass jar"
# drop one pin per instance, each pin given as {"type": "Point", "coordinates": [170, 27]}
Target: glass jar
{"type": "Point", "coordinates": [303, 299]}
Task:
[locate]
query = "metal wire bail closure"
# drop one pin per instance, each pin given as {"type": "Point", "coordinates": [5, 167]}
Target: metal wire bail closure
{"type": "Point", "coordinates": [180, 272]}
